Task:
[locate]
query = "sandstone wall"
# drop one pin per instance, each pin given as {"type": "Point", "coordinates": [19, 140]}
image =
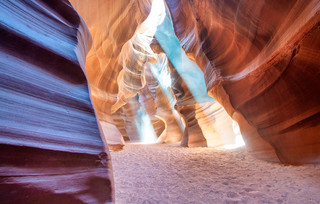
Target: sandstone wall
{"type": "Point", "coordinates": [264, 59]}
{"type": "Point", "coordinates": [258, 60]}
{"type": "Point", "coordinates": [51, 149]}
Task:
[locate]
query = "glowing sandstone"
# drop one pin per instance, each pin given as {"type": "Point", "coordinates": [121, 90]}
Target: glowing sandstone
{"type": "Point", "coordinates": [258, 59]}
{"type": "Point", "coordinates": [264, 57]}
{"type": "Point", "coordinates": [113, 105]}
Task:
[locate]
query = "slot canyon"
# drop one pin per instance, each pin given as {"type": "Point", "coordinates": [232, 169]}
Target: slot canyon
{"type": "Point", "coordinates": [160, 101]}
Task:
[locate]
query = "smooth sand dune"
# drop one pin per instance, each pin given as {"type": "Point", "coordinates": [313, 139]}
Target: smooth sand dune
{"type": "Point", "coordinates": [170, 174]}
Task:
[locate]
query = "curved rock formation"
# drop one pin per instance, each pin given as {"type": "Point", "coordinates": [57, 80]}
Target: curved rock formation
{"type": "Point", "coordinates": [152, 72]}
{"type": "Point", "coordinates": [264, 70]}
{"type": "Point", "coordinates": [115, 54]}
{"type": "Point", "coordinates": [258, 60]}
{"type": "Point", "coordinates": [111, 24]}
{"type": "Point", "coordinates": [50, 145]}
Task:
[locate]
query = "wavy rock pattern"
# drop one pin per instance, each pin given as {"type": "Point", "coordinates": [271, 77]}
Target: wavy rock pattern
{"type": "Point", "coordinates": [119, 71]}
{"type": "Point", "coordinates": [258, 60]}
{"type": "Point", "coordinates": [264, 70]}
{"type": "Point", "coordinates": [111, 24]}
{"type": "Point", "coordinates": [50, 146]}
{"type": "Point", "coordinates": [159, 78]}
{"type": "Point", "coordinates": [188, 86]}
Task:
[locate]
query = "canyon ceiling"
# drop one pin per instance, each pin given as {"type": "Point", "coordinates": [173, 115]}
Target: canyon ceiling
{"type": "Point", "coordinates": [81, 75]}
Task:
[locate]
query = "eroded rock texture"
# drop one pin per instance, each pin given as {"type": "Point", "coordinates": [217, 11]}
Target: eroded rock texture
{"type": "Point", "coordinates": [112, 24]}
{"type": "Point", "coordinates": [264, 59]}
{"type": "Point", "coordinates": [51, 150]}
{"type": "Point", "coordinates": [259, 60]}
{"type": "Point", "coordinates": [129, 70]}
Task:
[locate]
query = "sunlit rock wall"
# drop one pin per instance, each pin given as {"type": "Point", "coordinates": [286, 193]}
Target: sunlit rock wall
{"type": "Point", "coordinates": [123, 79]}
{"type": "Point", "coordinates": [264, 69]}
{"type": "Point", "coordinates": [188, 82]}
{"type": "Point", "coordinates": [257, 59]}
{"type": "Point", "coordinates": [51, 150]}
{"type": "Point", "coordinates": [159, 82]}
{"type": "Point", "coordinates": [111, 24]}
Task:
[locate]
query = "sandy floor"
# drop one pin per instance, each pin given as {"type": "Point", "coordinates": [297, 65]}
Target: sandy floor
{"type": "Point", "coordinates": [168, 174]}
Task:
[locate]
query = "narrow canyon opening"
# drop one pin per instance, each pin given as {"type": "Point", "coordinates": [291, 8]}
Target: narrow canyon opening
{"type": "Point", "coordinates": [159, 101]}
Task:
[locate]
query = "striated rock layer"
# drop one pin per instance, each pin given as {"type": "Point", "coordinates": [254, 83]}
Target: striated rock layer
{"type": "Point", "coordinates": [129, 72]}
{"type": "Point", "coordinates": [257, 59]}
{"type": "Point", "coordinates": [111, 24]}
{"type": "Point", "coordinates": [264, 70]}
{"type": "Point", "coordinates": [50, 145]}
